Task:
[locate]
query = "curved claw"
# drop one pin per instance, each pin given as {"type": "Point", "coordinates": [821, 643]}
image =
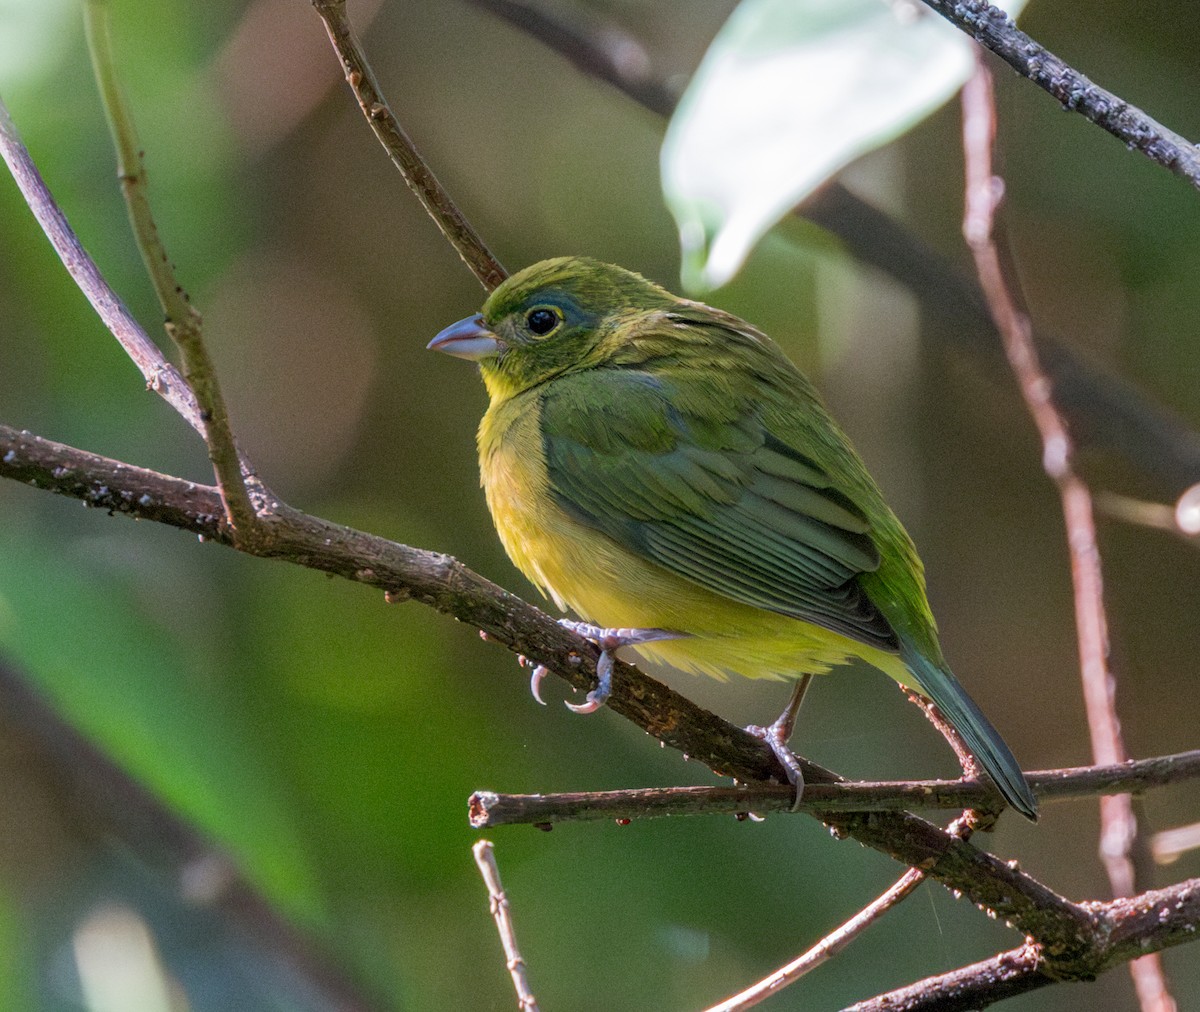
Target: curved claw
{"type": "Point", "coordinates": [774, 738]}
{"type": "Point", "coordinates": [535, 682]}
{"type": "Point", "coordinates": [590, 705]}
{"type": "Point", "coordinates": [599, 695]}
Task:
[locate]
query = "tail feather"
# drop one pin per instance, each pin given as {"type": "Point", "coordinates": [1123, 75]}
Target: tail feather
{"type": "Point", "coordinates": [984, 741]}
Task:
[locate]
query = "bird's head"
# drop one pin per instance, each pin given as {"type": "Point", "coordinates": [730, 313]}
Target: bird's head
{"type": "Point", "coordinates": [554, 317]}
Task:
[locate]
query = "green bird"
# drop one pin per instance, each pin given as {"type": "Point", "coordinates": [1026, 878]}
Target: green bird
{"type": "Point", "coordinates": [662, 469]}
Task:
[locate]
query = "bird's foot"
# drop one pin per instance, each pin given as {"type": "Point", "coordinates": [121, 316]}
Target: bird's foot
{"type": "Point", "coordinates": [609, 641]}
{"type": "Point", "coordinates": [776, 737]}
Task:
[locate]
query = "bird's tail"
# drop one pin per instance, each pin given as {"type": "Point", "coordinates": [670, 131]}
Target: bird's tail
{"type": "Point", "coordinates": [984, 741]}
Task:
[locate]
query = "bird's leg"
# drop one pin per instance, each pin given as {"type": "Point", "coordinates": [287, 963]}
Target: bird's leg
{"type": "Point", "coordinates": [609, 641]}
{"type": "Point", "coordinates": [778, 734]}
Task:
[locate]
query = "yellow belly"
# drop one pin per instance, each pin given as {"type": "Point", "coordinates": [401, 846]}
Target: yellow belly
{"type": "Point", "coordinates": [604, 583]}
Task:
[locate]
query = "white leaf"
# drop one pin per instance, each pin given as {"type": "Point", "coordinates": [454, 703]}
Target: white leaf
{"type": "Point", "coordinates": [789, 92]}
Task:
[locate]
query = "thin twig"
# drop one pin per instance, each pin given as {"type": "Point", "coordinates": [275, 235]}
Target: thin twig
{"type": "Point", "coordinates": [994, 29]}
{"type": "Point", "coordinates": [183, 322]}
{"type": "Point", "coordinates": [160, 375]}
{"type": "Point", "coordinates": [838, 939]}
{"type": "Point", "coordinates": [966, 758]}
{"type": "Point", "coordinates": [1117, 822]}
{"type": "Point", "coordinates": [1168, 845]}
{"type": "Point", "coordinates": [489, 809]}
{"type": "Point", "coordinates": [485, 858]}
{"type": "Point", "coordinates": [826, 948]}
{"type": "Point", "coordinates": [400, 148]}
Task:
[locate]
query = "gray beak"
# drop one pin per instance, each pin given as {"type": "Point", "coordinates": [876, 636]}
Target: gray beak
{"type": "Point", "coordinates": [468, 339]}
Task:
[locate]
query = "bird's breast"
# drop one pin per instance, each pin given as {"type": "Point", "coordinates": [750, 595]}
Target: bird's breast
{"type": "Point", "coordinates": [578, 567]}
{"type": "Point", "coordinates": [607, 583]}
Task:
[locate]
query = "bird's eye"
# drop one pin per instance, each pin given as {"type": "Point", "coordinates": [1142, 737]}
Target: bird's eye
{"type": "Point", "coordinates": [542, 320]}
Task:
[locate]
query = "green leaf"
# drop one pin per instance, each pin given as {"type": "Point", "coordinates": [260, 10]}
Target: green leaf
{"type": "Point", "coordinates": [790, 92]}
{"type": "Point", "coordinates": [95, 646]}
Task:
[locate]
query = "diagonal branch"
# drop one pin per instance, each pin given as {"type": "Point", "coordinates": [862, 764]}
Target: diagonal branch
{"type": "Point", "coordinates": [1063, 928]}
{"type": "Point", "coordinates": [485, 859]}
{"type": "Point", "coordinates": [993, 29]}
{"type": "Point", "coordinates": [403, 153]}
{"type": "Point", "coordinates": [826, 948]}
{"type": "Point", "coordinates": [843, 935]}
{"type": "Point", "coordinates": [1131, 926]}
{"type": "Point", "coordinates": [160, 375]}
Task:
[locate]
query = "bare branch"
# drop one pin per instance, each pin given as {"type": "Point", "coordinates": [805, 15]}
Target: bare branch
{"type": "Point", "coordinates": [1064, 928]}
{"type": "Point", "coordinates": [599, 49]}
{"type": "Point", "coordinates": [1131, 926]}
{"type": "Point", "coordinates": [1118, 827]}
{"type": "Point", "coordinates": [485, 858]}
{"type": "Point", "coordinates": [995, 30]}
{"type": "Point", "coordinates": [826, 948]}
{"type": "Point", "coordinates": [838, 939]}
{"type": "Point", "coordinates": [403, 153]}
{"type": "Point", "coordinates": [183, 322]}
{"type": "Point", "coordinates": [1006, 975]}
{"type": "Point", "coordinates": [161, 376]}
{"type": "Point", "coordinates": [489, 809]}
{"type": "Point", "coordinates": [967, 762]}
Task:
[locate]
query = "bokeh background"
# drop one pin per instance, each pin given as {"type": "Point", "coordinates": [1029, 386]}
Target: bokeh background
{"type": "Point", "coordinates": [327, 742]}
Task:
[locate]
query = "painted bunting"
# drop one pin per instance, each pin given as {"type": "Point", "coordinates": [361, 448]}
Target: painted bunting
{"type": "Point", "coordinates": [661, 468]}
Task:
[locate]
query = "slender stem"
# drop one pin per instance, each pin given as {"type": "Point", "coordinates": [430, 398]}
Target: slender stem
{"type": "Point", "coordinates": [183, 322]}
{"type": "Point", "coordinates": [599, 49]}
{"type": "Point", "coordinates": [1118, 827]}
{"type": "Point", "coordinates": [400, 148]}
{"type": "Point", "coordinates": [1170, 844]}
{"type": "Point", "coordinates": [485, 858]}
{"type": "Point", "coordinates": [995, 30]}
{"type": "Point", "coordinates": [160, 375]}
{"type": "Point", "coordinates": [826, 948]}
{"type": "Point", "coordinates": [967, 761]}
{"type": "Point", "coordinates": [489, 809]}
{"type": "Point", "coordinates": [841, 937]}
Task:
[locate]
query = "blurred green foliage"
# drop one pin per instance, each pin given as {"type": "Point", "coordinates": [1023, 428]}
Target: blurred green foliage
{"type": "Point", "coordinates": [328, 742]}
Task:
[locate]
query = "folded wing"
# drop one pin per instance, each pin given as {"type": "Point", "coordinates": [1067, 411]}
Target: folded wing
{"type": "Point", "coordinates": [700, 486]}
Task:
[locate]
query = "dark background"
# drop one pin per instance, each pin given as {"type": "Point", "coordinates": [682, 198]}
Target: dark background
{"type": "Point", "coordinates": [328, 742]}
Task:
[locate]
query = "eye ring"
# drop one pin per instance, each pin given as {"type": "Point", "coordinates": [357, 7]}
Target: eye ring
{"type": "Point", "coordinates": [543, 320]}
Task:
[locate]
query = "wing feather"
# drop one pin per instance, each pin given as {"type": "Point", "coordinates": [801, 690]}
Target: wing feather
{"type": "Point", "coordinates": [720, 501]}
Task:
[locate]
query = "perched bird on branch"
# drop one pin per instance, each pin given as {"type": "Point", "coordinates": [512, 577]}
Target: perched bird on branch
{"type": "Point", "coordinates": [662, 469]}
